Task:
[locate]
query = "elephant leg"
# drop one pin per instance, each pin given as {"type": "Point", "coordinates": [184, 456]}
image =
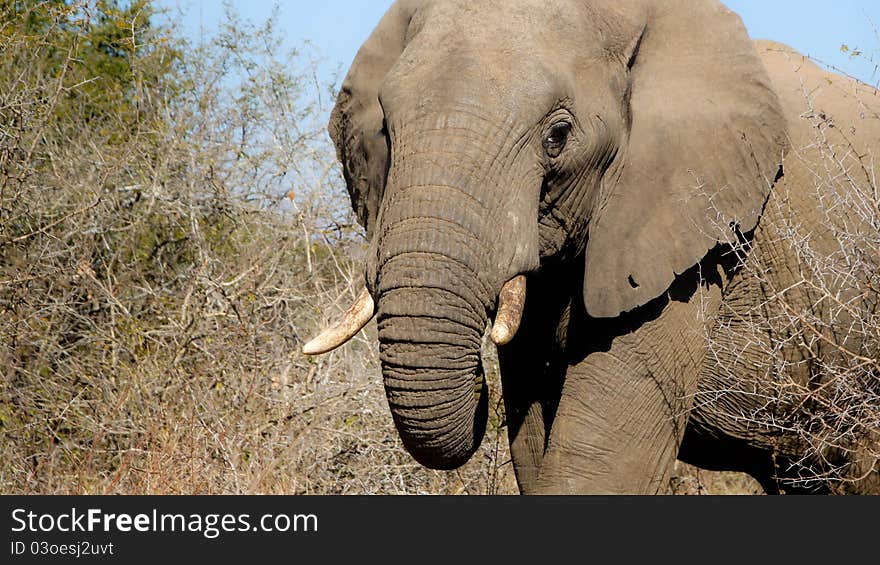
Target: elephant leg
{"type": "Point", "coordinates": [532, 372]}
{"type": "Point", "coordinates": [722, 433]}
{"type": "Point", "coordinates": [623, 409]}
{"type": "Point", "coordinates": [525, 423]}
{"type": "Point", "coordinates": [530, 411]}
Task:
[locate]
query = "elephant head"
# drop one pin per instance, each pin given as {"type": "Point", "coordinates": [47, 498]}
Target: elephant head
{"type": "Point", "coordinates": [484, 140]}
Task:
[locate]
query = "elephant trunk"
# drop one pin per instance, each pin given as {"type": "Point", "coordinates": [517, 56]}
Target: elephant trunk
{"type": "Point", "coordinates": [441, 261]}
{"type": "Point", "coordinates": [433, 309]}
{"type": "Point", "coordinates": [430, 352]}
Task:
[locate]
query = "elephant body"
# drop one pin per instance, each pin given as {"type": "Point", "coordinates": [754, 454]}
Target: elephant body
{"type": "Point", "coordinates": [627, 159]}
{"type": "Point", "coordinates": [569, 433]}
{"type": "Point", "coordinates": [830, 119]}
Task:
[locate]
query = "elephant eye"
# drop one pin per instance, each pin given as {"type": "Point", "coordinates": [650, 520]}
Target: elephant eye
{"type": "Point", "coordinates": [556, 138]}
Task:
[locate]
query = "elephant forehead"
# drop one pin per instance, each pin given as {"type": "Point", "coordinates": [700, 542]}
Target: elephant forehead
{"type": "Point", "coordinates": [515, 26]}
{"type": "Point", "coordinates": [470, 51]}
{"type": "Point", "coordinates": [488, 12]}
{"type": "Point", "coordinates": [538, 27]}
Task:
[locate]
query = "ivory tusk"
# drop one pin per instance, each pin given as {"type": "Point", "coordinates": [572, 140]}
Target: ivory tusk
{"type": "Point", "coordinates": [510, 309]}
{"type": "Point", "coordinates": [353, 320]}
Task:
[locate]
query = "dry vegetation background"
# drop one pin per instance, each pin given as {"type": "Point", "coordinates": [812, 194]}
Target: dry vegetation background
{"type": "Point", "coordinates": [173, 226]}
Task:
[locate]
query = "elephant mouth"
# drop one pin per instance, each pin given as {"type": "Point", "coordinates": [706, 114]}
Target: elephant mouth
{"type": "Point", "coordinates": [508, 316]}
{"type": "Point", "coordinates": [431, 364]}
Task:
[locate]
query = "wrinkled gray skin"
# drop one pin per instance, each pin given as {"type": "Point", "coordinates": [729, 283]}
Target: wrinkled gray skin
{"type": "Point", "coordinates": [608, 150]}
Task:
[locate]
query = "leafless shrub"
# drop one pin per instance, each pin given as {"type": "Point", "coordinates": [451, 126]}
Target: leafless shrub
{"type": "Point", "coordinates": [162, 262]}
{"type": "Point", "coordinates": [806, 358]}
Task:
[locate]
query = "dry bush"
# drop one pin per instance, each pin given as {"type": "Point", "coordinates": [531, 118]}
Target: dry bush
{"type": "Point", "coordinates": [163, 258]}
{"type": "Point", "coordinates": [814, 341]}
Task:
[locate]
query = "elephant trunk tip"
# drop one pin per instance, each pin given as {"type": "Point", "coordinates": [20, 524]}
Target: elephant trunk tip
{"type": "Point", "coordinates": [446, 456]}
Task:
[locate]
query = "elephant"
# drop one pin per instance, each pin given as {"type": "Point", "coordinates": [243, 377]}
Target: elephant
{"type": "Point", "coordinates": [576, 175]}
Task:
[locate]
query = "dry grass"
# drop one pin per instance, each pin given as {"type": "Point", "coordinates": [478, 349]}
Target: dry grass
{"type": "Point", "coordinates": [688, 480]}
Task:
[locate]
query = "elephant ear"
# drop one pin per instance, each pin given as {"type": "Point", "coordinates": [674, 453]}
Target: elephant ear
{"type": "Point", "coordinates": [357, 121]}
{"type": "Point", "coordinates": [705, 149]}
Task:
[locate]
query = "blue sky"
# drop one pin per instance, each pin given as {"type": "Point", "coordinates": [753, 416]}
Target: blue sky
{"type": "Point", "coordinates": [338, 27]}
